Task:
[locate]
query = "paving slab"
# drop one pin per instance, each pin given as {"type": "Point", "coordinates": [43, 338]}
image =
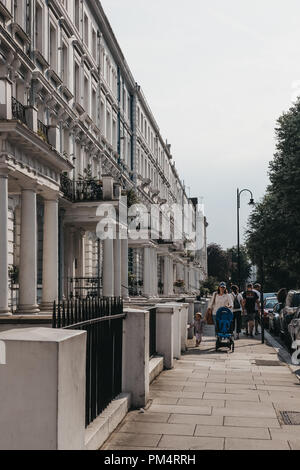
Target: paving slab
{"type": "Point", "coordinates": [136, 440]}
{"type": "Point", "coordinates": [232, 431]}
{"type": "Point", "coordinates": [290, 433]}
{"type": "Point", "coordinates": [251, 422]}
{"type": "Point", "coordinates": [244, 412]}
{"type": "Point", "coordinates": [191, 443]}
{"type": "Point", "coordinates": [165, 401]}
{"type": "Point", "coordinates": [197, 410]}
{"type": "Point", "coordinates": [202, 402]}
{"type": "Point", "coordinates": [158, 428]}
{"type": "Point", "coordinates": [196, 419]}
{"type": "Point", "coordinates": [253, 444]}
{"type": "Point", "coordinates": [148, 417]}
{"type": "Point", "coordinates": [231, 397]}
{"type": "Point", "coordinates": [178, 394]}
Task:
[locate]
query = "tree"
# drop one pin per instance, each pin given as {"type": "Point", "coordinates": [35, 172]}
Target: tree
{"type": "Point", "coordinates": [217, 262]}
{"type": "Point", "coordinates": [274, 226]}
{"type": "Point", "coordinates": [245, 265]}
{"type": "Point", "coordinates": [208, 286]}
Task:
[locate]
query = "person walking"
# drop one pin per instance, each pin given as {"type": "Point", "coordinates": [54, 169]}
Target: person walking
{"type": "Point", "coordinates": [257, 289]}
{"type": "Point", "coordinates": [250, 299]}
{"type": "Point", "coordinates": [237, 310]}
{"type": "Point", "coordinates": [198, 326]}
{"type": "Point", "coordinates": [220, 298]}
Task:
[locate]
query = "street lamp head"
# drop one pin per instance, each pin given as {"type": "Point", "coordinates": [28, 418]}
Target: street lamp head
{"type": "Point", "coordinates": [251, 203]}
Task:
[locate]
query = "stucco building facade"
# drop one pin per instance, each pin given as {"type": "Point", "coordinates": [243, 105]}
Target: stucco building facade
{"type": "Point", "coordinates": [77, 134]}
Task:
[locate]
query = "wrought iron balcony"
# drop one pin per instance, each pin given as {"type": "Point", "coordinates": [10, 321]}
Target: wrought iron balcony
{"type": "Point", "coordinates": [18, 110]}
{"type": "Point", "coordinates": [82, 190]}
{"type": "Point", "coordinates": [43, 131]}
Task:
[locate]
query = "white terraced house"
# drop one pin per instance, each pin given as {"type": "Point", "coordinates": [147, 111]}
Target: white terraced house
{"type": "Point", "coordinates": [76, 133]}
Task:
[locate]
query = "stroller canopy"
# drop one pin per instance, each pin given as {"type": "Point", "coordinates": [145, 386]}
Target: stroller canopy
{"type": "Point", "coordinates": [224, 313]}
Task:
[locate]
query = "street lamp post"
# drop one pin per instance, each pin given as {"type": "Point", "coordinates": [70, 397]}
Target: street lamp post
{"type": "Point", "coordinates": [251, 203]}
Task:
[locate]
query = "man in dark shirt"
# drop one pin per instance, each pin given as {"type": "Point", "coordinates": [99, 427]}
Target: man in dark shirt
{"type": "Point", "coordinates": [250, 300]}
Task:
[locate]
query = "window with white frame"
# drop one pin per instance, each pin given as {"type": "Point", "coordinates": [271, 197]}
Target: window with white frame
{"type": "Point", "coordinates": [77, 82]}
{"type": "Point", "coordinates": [39, 28]}
{"type": "Point", "coordinates": [86, 29]}
{"type": "Point", "coordinates": [77, 13]}
{"type": "Point", "coordinates": [20, 13]}
{"type": "Point", "coordinates": [94, 106]}
{"type": "Point", "coordinates": [86, 97]}
{"type": "Point", "coordinates": [53, 47]}
{"type": "Point", "coordinates": [114, 136]}
{"type": "Point", "coordinates": [102, 116]}
{"type": "Point", "coordinates": [108, 126]}
{"type": "Point", "coordinates": [65, 64]}
{"type": "Point", "coordinates": [94, 44]}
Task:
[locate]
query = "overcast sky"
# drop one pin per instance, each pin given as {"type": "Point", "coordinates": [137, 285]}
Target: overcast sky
{"type": "Point", "coordinates": [217, 74]}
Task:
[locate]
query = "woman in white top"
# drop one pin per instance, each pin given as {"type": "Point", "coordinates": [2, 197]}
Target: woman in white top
{"type": "Point", "coordinates": [219, 299]}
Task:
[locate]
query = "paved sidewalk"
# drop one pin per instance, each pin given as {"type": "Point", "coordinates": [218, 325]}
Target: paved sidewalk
{"type": "Point", "coordinates": [217, 401]}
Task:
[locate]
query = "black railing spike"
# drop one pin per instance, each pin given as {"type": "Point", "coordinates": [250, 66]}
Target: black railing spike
{"type": "Point", "coordinates": [72, 310]}
{"type": "Point", "coordinates": [59, 316]}
{"type": "Point", "coordinates": [63, 315]}
{"type": "Point", "coordinates": [54, 315]}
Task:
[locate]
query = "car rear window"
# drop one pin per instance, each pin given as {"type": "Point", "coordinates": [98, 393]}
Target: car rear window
{"type": "Point", "coordinates": [296, 300]}
{"type": "Point", "coordinates": [271, 303]}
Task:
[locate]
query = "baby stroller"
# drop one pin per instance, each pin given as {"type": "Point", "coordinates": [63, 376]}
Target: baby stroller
{"type": "Point", "coordinates": [224, 328]}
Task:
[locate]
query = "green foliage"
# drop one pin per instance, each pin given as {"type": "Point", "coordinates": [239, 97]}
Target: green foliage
{"type": "Point", "coordinates": [209, 286]}
{"type": "Point", "coordinates": [217, 262]}
{"type": "Point", "coordinates": [223, 264]}
{"type": "Point", "coordinates": [132, 198]}
{"type": "Point", "coordinates": [274, 226]}
{"type": "Point", "coordinates": [87, 174]}
{"type": "Point", "coordinates": [245, 265]}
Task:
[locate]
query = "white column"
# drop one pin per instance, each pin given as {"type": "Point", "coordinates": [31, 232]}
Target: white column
{"type": "Point", "coordinates": [135, 370]}
{"type": "Point", "coordinates": [155, 279]}
{"type": "Point", "coordinates": [4, 310]}
{"type": "Point", "coordinates": [124, 267]}
{"type": "Point", "coordinates": [28, 254]}
{"type": "Point", "coordinates": [186, 278]}
{"type": "Point", "coordinates": [117, 266]}
{"type": "Point", "coordinates": [147, 271]}
{"type": "Point", "coordinates": [50, 254]}
{"type": "Point", "coordinates": [164, 333]}
{"type": "Point", "coordinates": [108, 268]}
{"type": "Point", "coordinates": [168, 276]}
{"type": "Point", "coordinates": [42, 391]}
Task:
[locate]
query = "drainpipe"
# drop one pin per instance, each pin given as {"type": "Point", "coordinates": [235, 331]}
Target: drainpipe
{"type": "Point", "coordinates": [119, 112]}
{"type": "Point", "coordinates": [133, 124]}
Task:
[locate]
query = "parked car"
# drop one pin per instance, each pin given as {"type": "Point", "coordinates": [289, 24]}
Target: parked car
{"type": "Point", "coordinates": [294, 326]}
{"type": "Point", "coordinates": [274, 320]}
{"type": "Point", "coordinates": [287, 314]}
{"type": "Point", "coordinates": [269, 305]}
{"type": "Point", "coordinates": [270, 294]}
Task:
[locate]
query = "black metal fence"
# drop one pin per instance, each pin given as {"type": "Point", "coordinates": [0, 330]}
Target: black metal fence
{"type": "Point", "coordinates": [81, 190]}
{"type": "Point", "coordinates": [43, 131]}
{"type": "Point", "coordinates": [18, 110]}
{"type": "Point", "coordinates": [102, 319]}
{"type": "Point", "coordinates": [152, 332]}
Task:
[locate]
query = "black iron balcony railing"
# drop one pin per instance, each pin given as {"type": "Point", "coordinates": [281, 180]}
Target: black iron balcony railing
{"type": "Point", "coordinates": [18, 110]}
{"type": "Point", "coordinates": [82, 190]}
{"type": "Point", "coordinates": [43, 131]}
